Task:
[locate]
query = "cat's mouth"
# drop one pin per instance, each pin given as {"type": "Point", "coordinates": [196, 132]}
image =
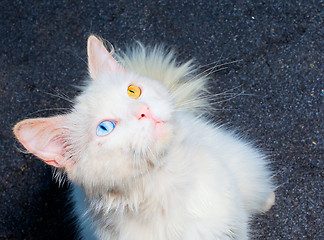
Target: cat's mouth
{"type": "Point", "coordinates": [160, 131]}
{"type": "Point", "coordinates": [144, 112]}
{"type": "Point", "coordinates": [143, 115]}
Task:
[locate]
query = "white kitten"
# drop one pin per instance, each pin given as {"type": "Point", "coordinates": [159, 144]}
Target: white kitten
{"type": "Point", "coordinates": [143, 162]}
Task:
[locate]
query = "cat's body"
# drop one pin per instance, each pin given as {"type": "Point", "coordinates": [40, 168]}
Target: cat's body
{"type": "Point", "coordinates": [186, 199]}
{"type": "Point", "coordinates": [162, 171]}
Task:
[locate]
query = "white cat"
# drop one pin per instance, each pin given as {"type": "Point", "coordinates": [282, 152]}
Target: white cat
{"type": "Point", "coordinates": [144, 163]}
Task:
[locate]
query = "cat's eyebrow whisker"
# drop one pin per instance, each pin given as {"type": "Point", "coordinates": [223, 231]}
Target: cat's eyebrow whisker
{"type": "Point", "coordinates": [191, 106]}
{"type": "Point", "coordinates": [229, 96]}
{"type": "Point", "coordinates": [205, 109]}
{"type": "Point", "coordinates": [226, 95]}
{"type": "Point", "coordinates": [48, 109]}
{"type": "Point", "coordinates": [59, 96]}
{"type": "Point", "coordinates": [211, 98]}
{"type": "Point", "coordinates": [176, 92]}
{"type": "Point", "coordinates": [205, 65]}
{"type": "Point", "coordinates": [203, 74]}
{"type": "Point", "coordinates": [77, 55]}
{"type": "Point", "coordinates": [231, 89]}
{"type": "Point", "coordinates": [207, 73]}
{"type": "Point", "coordinates": [222, 109]}
{"type": "Point", "coordinates": [173, 91]}
{"type": "Point", "coordinates": [64, 95]}
{"type": "Point", "coordinates": [213, 67]}
{"type": "Point", "coordinates": [197, 108]}
{"type": "Point", "coordinates": [228, 99]}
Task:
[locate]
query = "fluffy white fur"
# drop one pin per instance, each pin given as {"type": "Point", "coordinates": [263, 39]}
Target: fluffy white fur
{"type": "Point", "coordinates": [178, 178]}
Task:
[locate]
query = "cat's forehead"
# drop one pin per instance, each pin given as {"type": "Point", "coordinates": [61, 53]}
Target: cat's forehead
{"type": "Point", "coordinates": [116, 85]}
{"type": "Point", "coordinates": [109, 94]}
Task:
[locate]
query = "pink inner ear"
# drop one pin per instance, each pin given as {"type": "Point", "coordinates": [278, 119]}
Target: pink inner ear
{"type": "Point", "coordinates": [99, 59]}
{"type": "Point", "coordinates": [43, 137]}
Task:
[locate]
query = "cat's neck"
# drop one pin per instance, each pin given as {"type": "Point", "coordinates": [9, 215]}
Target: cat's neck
{"type": "Point", "coordinates": [129, 196]}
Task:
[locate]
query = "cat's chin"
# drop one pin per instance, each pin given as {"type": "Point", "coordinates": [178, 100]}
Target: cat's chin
{"type": "Point", "coordinates": [159, 128]}
{"type": "Point", "coordinates": [161, 132]}
{"type": "Point", "coordinates": [162, 136]}
{"type": "Point", "coordinates": [153, 132]}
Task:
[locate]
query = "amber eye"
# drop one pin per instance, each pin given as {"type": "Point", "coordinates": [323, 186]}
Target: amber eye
{"type": "Point", "coordinates": [134, 91]}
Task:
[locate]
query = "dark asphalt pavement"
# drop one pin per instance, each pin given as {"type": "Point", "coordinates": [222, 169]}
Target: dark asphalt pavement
{"type": "Point", "coordinates": [280, 48]}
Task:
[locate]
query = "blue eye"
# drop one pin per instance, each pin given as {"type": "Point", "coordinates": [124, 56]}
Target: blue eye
{"type": "Point", "coordinates": [105, 127]}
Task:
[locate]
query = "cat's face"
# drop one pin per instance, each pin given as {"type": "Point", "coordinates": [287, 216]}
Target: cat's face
{"type": "Point", "coordinates": [119, 127]}
{"type": "Point", "coordinates": [140, 126]}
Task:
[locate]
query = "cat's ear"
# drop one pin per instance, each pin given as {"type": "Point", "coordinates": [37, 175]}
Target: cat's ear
{"type": "Point", "coordinates": [99, 59]}
{"type": "Point", "coordinates": [43, 137]}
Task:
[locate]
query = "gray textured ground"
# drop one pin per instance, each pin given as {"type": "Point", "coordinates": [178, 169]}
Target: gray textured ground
{"type": "Point", "coordinates": [43, 50]}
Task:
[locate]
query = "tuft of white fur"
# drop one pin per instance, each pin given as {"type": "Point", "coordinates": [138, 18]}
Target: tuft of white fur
{"type": "Point", "coordinates": [183, 82]}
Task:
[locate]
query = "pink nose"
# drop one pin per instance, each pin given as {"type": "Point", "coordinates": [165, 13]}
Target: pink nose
{"type": "Point", "coordinates": [145, 112]}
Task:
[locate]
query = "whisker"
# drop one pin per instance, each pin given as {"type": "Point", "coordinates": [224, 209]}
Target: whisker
{"type": "Point", "coordinates": [209, 72]}
{"type": "Point", "coordinates": [64, 95]}
{"type": "Point", "coordinates": [48, 109]}
{"type": "Point", "coordinates": [211, 69]}
{"type": "Point", "coordinates": [224, 100]}
{"type": "Point", "coordinates": [212, 63]}
{"type": "Point", "coordinates": [59, 96]}
{"type": "Point", "coordinates": [231, 89]}
{"type": "Point", "coordinates": [213, 98]}
{"type": "Point", "coordinates": [215, 62]}
{"type": "Point", "coordinates": [75, 54]}
{"type": "Point", "coordinates": [205, 73]}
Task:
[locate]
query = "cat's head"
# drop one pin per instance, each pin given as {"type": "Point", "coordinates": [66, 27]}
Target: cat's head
{"type": "Point", "coordinates": [120, 125]}
{"type": "Point", "coordinates": [118, 128]}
